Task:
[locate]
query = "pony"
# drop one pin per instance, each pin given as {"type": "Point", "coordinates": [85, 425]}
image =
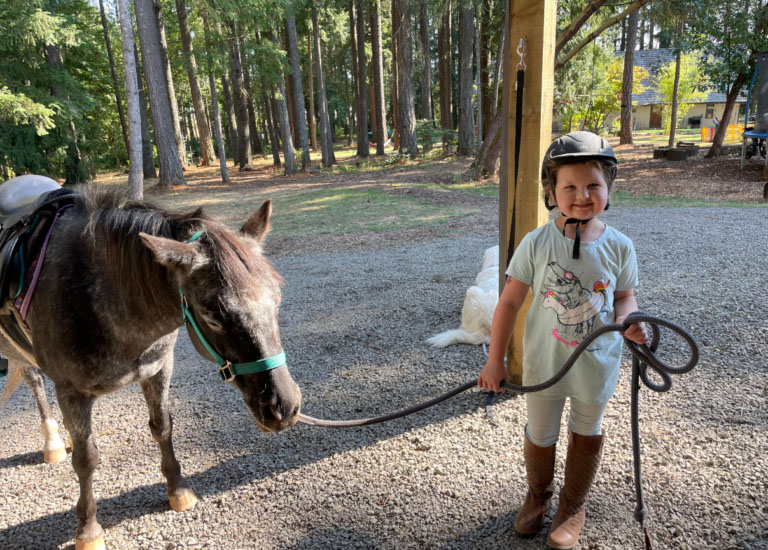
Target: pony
{"type": "Point", "coordinates": [119, 279]}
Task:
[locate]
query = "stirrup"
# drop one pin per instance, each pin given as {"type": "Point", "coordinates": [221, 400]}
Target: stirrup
{"type": "Point", "coordinates": [3, 366]}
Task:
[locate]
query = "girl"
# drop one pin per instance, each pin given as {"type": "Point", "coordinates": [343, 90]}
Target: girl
{"type": "Point", "coordinates": [582, 274]}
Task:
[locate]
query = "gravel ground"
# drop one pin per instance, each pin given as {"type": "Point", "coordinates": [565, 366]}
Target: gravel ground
{"type": "Point", "coordinates": [354, 322]}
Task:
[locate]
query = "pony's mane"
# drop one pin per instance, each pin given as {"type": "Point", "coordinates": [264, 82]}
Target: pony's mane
{"type": "Point", "coordinates": [114, 222]}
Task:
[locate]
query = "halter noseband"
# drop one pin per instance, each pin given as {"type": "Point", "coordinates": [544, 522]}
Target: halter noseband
{"type": "Point", "coordinates": [228, 370]}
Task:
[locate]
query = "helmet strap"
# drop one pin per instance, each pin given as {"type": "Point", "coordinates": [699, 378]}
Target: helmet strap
{"type": "Point", "coordinates": [577, 240]}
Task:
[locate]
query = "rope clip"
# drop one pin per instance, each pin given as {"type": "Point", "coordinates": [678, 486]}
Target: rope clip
{"type": "Point", "coordinates": [521, 52]}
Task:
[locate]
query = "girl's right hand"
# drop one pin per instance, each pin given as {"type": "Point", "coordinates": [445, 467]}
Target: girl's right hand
{"type": "Point", "coordinates": [493, 374]}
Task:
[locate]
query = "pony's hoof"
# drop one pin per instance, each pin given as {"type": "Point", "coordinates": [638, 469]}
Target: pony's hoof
{"type": "Point", "coordinates": [95, 544]}
{"type": "Point", "coordinates": [182, 500]}
{"type": "Point", "coordinates": [54, 456]}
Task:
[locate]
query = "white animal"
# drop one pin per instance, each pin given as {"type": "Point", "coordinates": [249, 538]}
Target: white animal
{"type": "Point", "coordinates": [479, 305]}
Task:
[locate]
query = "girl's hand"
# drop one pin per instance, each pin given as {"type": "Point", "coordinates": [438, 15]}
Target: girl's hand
{"type": "Point", "coordinates": [492, 375]}
{"type": "Point", "coordinates": [635, 332]}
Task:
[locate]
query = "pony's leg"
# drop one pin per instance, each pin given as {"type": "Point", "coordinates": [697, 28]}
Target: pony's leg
{"type": "Point", "coordinates": [76, 409]}
{"type": "Point", "coordinates": [155, 389]}
{"type": "Point", "coordinates": [53, 447]}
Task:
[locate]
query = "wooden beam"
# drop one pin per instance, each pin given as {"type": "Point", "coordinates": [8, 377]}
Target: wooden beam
{"type": "Point", "coordinates": [535, 22]}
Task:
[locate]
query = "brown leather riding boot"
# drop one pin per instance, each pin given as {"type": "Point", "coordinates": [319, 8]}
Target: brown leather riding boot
{"type": "Point", "coordinates": [580, 469]}
{"type": "Point", "coordinates": [540, 469]}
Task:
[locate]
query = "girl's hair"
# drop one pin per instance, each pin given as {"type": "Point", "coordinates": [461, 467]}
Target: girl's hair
{"type": "Point", "coordinates": [553, 168]}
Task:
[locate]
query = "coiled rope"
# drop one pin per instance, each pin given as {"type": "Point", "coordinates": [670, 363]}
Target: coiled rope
{"type": "Point", "coordinates": [643, 359]}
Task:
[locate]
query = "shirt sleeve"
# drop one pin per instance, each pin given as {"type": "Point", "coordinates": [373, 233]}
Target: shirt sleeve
{"type": "Point", "coordinates": [521, 265]}
{"type": "Point", "coordinates": [628, 278]}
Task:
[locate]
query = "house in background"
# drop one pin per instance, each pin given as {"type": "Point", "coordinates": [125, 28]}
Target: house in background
{"type": "Point", "coordinates": [647, 110]}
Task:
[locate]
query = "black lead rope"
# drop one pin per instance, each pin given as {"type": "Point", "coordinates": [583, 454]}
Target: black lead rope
{"type": "Point", "coordinates": [643, 359]}
{"type": "Point", "coordinates": [518, 136]}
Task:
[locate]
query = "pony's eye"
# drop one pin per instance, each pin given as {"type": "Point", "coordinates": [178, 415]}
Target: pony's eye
{"type": "Point", "coordinates": [211, 322]}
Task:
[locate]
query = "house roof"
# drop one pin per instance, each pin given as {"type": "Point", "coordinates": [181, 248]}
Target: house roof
{"type": "Point", "coordinates": [652, 61]}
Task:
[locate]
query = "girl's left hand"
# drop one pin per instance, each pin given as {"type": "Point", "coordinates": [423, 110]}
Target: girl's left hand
{"type": "Point", "coordinates": [635, 332]}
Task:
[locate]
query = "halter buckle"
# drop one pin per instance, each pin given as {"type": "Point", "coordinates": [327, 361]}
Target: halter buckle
{"type": "Point", "coordinates": [226, 372]}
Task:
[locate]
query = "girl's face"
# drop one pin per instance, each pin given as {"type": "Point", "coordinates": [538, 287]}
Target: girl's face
{"type": "Point", "coordinates": [581, 191]}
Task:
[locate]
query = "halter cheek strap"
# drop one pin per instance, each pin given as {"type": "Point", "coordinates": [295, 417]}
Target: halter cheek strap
{"type": "Point", "coordinates": [577, 240]}
{"type": "Point", "coordinates": [228, 370]}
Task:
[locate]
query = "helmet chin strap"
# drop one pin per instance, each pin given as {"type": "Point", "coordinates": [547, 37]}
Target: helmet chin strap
{"type": "Point", "coordinates": [577, 240]}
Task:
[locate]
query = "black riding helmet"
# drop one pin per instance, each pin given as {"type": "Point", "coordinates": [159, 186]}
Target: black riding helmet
{"type": "Point", "coordinates": [575, 147]}
{"type": "Point", "coordinates": [572, 148]}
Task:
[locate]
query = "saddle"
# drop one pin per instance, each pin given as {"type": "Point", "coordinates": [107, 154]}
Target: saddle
{"type": "Point", "coordinates": [28, 207]}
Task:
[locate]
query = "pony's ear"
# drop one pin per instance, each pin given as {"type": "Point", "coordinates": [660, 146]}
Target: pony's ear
{"type": "Point", "coordinates": [173, 254]}
{"type": "Point", "coordinates": [258, 225]}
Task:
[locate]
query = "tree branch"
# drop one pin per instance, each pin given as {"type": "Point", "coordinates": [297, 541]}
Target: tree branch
{"type": "Point", "coordinates": [597, 32]}
{"type": "Point", "coordinates": [571, 30]}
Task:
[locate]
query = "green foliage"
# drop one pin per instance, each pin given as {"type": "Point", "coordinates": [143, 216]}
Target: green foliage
{"type": "Point", "coordinates": [691, 88]}
{"type": "Point", "coordinates": [427, 134]}
{"type": "Point", "coordinates": [583, 86]}
{"type": "Point", "coordinates": [55, 87]}
{"type": "Point", "coordinates": [728, 34]}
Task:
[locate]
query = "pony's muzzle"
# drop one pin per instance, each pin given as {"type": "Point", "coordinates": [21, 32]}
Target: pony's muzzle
{"type": "Point", "coordinates": [281, 410]}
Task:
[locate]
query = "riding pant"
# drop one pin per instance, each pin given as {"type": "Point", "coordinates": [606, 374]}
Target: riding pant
{"type": "Point", "coordinates": [544, 418]}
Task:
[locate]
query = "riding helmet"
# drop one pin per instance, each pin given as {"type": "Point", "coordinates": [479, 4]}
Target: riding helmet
{"type": "Point", "coordinates": [576, 147]}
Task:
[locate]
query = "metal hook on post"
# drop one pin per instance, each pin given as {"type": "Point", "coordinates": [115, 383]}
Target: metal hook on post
{"type": "Point", "coordinates": [521, 52]}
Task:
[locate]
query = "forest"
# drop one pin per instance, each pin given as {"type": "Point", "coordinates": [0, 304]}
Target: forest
{"type": "Point", "coordinates": [159, 85]}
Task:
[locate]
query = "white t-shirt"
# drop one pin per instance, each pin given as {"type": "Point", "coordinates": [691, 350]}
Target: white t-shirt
{"type": "Point", "coordinates": [571, 298]}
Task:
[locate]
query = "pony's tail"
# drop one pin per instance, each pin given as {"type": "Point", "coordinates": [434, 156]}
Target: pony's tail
{"type": "Point", "coordinates": [14, 378]}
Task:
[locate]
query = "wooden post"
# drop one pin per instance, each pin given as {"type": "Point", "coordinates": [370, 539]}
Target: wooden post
{"type": "Point", "coordinates": [535, 21]}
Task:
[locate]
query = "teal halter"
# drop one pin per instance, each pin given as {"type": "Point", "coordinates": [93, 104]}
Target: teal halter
{"type": "Point", "coordinates": [228, 370]}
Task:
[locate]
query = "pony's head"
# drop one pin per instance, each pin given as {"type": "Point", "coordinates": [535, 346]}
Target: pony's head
{"type": "Point", "coordinates": [230, 296]}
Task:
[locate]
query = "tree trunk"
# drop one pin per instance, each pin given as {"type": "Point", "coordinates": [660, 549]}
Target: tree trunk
{"type": "Point", "coordinates": [395, 115]}
{"type": "Point", "coordinates": [256, 145]}
{"type": "Point", "coordinates": [147, 149]}
{"type": "Point", "coordinates": [215, 101]}
{"type": "Point", "coordinates": [168, 75]}
{"type": "Point", "coordinates": [426, 71]}
{"type": "Point", "coordinates": [405, 97]}
{"type": "Point", "coordinates": [241, 107]}
{"type": "Point", "coordinates": [730, 101]}
{"type": "Point", "coordinates": [299, 111]}
{"type": "Point", "coordinates": [497, 72]}
{"type": "Point", "coordinates": [353, 55]}
{"type": "Point", "coordinates": [326, 136]}
{"type": "Point", "coordinates": [285, 123]}
{"type": "Point", "coordinates": [135, 167]}
{"type": "Point", "coordinates": [627, 82]}
{"type": "Point", "coordinates": [171, 172]}
{"type": "Point", "coordinates": [203, 127]}
{"type": "Point", "coordinates": [378, 77]}
{"type": "Point", "coordinates": [444, 68]}
{"type": "Point", "coordinates": [362, 87]}
{"type": "Point", "coordinates": [673, 115]}
{"type": "Point", "coordinates": [484, 67]}
{"type": "Point", "coordinates": [270, 114]}
{"type": "Point", "coordinates": [372, 103]}
{"type": "Point", "coordinates": [477, 123]}
{"type": "Point", "coordinates": [113, 72]}
{"type": "Point", "coordinates": [466, 133]}
{"type": "Point", "coordinates": [229, 105]}
{"type": "Point", "coordinates": [310, 83]}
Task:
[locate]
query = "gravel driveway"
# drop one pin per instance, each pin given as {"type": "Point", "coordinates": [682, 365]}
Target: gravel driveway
{"type": "Point", "coordinates": [354, 323]}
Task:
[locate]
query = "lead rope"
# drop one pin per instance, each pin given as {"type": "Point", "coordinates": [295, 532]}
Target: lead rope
{"type": "Point", "coordinates": [643, 358]}
{"type": "Point", "coordinates": [519, 85]}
